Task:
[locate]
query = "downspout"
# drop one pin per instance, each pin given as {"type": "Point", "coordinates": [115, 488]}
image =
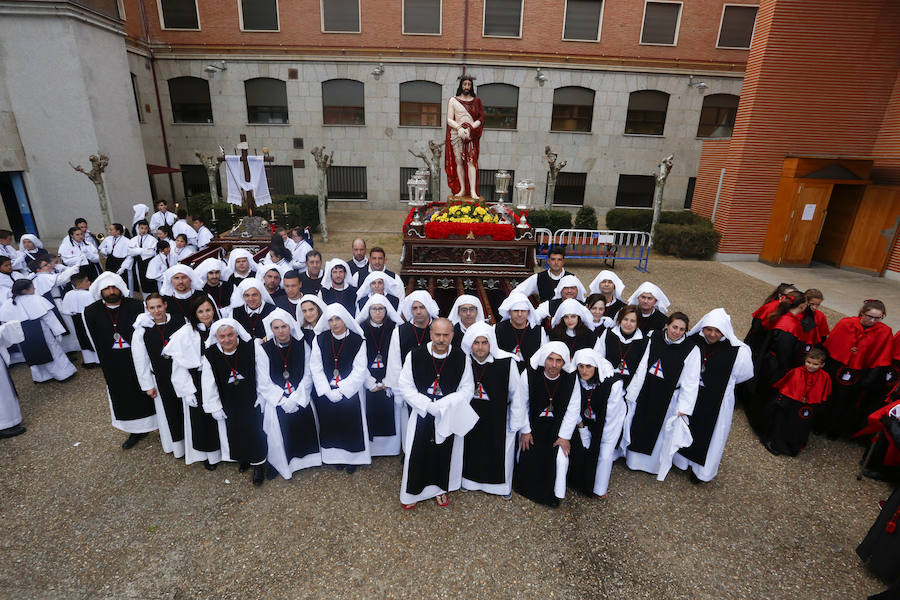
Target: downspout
{"type": "Point", "coordinates": [162, 126]}
{"type": "Point", "coordinates": [465, 34]}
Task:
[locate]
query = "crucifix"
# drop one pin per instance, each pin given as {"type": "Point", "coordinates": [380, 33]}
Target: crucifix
{"type": "Point", "coordinates": [243, 147]}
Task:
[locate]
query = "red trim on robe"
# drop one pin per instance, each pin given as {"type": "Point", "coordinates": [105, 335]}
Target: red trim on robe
{"type": "Point", "coordinates": [892, 455]}
{"type": "Point", "coordinates": [873, 344]}
{"type": "Point", "coordinates": [790, 323]}
{"type": "Point", "coordinates": [476, 111]}
{"type": "Point", "coordinates": [817, 333]}
{"type": "Point", "coordinates": [765, 311]}
{"type": "Point", "coordinates": [794, 385]}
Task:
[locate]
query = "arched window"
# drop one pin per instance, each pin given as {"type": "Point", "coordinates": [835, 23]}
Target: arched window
{"type": "Point", "coordinates": [190, 100]}
{"type": "Point", "coordinates": [501, 105]}
{"type": "Point", "coordinates": [266, 100]}
{"type": "Point", "coordinates": [647, 112]}
{"type": "Point", "coordinates": [717, 115]}
{"type": "Point", "coordinates": [420, 104]}
{"type": "Point", "coordinates": [343, 102]}
{"type": "Point", "coordinates": [573, 109]}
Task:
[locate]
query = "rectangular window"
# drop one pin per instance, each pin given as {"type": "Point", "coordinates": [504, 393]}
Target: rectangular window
{"type": "Point", "coordinates": [110, 8]}
{"type": "Point", "coordinates": [405, 174]}
{"type": "Point", "coordinates": [347, 183]}
{"type": "Point", "coordinates": [259, 15]}
{"type": "Point", "coordinates": [280, 179]}
{"type": "Point", "coordinates": [487, 185]}
{"type": "Point", "coordinates": [570, 188]}
{"type": "Point", "coordinates": [422, 17]}
{"type": "Point", "coordinates": [736, 28]}
{"type": "Point", "coordinates": [689, 195]}
{"type": "Point", "coordinates": [137, 98]}
{"type": "Point", "coordinates": [196, 181]}
{"type": "Point", "coordinates": [179, 14]}
{"type": "Point", "coordinates": [636, 191]}
{"type": "Point", "coordinates": [661, 21]}
{"type": "Point", "coordinates": [502, 18]}
{"type": "Point", "coordinates": [340, 16]}
{"type": "Point", "coordinates": [582, 21]}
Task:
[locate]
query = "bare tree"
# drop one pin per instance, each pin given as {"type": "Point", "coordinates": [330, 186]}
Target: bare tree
{"type": "Point", "coordinates": [323, 161]}
{"type": "Point", "coordinates": [99, 162]}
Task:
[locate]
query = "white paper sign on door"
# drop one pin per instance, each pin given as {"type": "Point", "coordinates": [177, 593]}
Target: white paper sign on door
{"type": "Point", "coordinates": [809, 212]}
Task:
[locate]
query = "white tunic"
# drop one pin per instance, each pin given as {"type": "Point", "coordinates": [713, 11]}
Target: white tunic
{"type": "Point", "coordinates": [683, 399]}
{"type": "Point", "coordinates": [31, 307]}
{"type": "Point", "coordinates": [445, 410]}
{"type": "Point", "coordinates": [505, 488]}
{"type": "Point", "coordinates": [612, 427]}
{"type": "Point", "coordinates": [10, 414]}
{"type": "Point", "coordinates": [274, 397]}
{"type": "Point", "coordinates": [71, 307]}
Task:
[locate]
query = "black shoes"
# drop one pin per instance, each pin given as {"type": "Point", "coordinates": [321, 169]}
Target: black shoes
{"type": "Point", "coordinates": [259, 474]}
{"type": "Point", "coordinates": [12, 431]}
{"type": "Point", "coordinates": [351, 469]}
{"type": "Point", "coordinates": [132, 440]}
{"type": "Point", "coordinates": [243, 467]}
{"type": "Point", "coordinates": [210, 466]}
{"type": "Point", "coordinates": [694, 479]}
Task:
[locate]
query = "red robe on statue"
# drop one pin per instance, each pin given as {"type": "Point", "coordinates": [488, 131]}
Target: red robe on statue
{"type": "Point", "coordinates": [470, 149]}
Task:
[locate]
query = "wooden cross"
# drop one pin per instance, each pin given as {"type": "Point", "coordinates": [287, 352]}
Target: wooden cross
{"type": "Point", "coordinates": [267, 158]}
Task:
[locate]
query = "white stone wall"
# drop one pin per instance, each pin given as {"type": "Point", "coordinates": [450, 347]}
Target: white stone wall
{"type": "Point", "coordinates": [67, 83]}
{"type": "Point", "coordinates": [382, 145]}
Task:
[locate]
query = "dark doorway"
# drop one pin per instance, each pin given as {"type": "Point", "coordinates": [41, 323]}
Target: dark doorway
{"type": "Point", "coordinates": [842, 208]}
{"type": "Point", "coordinates": [15, 202]}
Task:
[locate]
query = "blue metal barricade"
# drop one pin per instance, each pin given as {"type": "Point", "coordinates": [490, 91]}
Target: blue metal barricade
{"type": "Point", "coordinates": [606, 245]}
{"type": "Point", "coordinates": [543, 239]}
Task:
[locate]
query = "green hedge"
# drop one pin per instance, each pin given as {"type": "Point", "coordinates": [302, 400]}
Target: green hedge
{"type": "Point", "coordinates": [631, 219]}
{"type": "Point", "coordinates": [303, 210]}
{"type": "Point", "coordinates": [550, 219]}
{"type": "Point", "coordinates": [686, 241]}
{"type": "Point", "coordinates": [586, 218]}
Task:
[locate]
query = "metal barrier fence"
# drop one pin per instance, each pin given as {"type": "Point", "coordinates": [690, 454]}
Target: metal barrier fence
{"type": "Point", "coordinates": [544, 239]}
{"type": "Point", "coordinates": [606, 245]}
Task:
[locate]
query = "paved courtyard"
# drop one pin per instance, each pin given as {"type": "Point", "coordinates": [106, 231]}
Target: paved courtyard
{"type": "Point", "coordinates": [84, 519]}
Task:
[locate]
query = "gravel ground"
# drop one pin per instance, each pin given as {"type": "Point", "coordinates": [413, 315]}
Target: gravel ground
{"type": "Point", "coordinates": [85, 519]}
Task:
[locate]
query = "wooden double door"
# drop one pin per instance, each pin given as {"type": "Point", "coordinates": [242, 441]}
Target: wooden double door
{"type": "Point", "coordinates": [847, 222]}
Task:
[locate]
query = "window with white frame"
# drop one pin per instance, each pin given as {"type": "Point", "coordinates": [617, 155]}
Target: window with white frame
{"type": "Point", "coordinates": [422, 17]}
{"type": "Point", "coordinates": [573, 109]}
{"type": "Point", "coordinates": [736, 28]}
{"type": "Point", "coordinates": [347, 183]}
{"type": "Point", "coordinates": [179, 14]}
{"type": "Point", "coordinates": [635, 191]}
{"type": "Point", "coordinates": [266, 101]}
{"type": "Point", "coordinates": [340, 16]}
{"type": "Point", "coordinates": [718, 115]}
{"type": "Point", "coordinates": [259, 15]}
{"type": "Point", "coordinates": [661, 22]}
{"type": "Point", "coordinates": [343, 102]}
{"type": "Point", "coordinates": [582, 22]}
{"type": "Point", "coordinates": [190, 100]}
{"type": "Point", "coordinates": [646, 112]}
{"type": "Point", "coordinates": [569, 188]}
{"type": "Point", "coordinates": [420, 104]}
{"type": "Point", "coordinates": [502, 18]}
{"type": "Point", "coordinates": [501, 105]}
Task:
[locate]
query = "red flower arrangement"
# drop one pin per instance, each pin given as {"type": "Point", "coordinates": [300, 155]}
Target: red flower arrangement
{"type": "Point", "coordinates": [435, 230]}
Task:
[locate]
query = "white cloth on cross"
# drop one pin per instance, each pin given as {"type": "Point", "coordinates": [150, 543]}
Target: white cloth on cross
{"type": "Point", "coordinates": [234, 169]}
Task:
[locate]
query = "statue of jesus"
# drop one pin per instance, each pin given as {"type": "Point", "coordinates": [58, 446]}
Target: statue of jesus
{"type": "Point", "coordinates": [465, 120]}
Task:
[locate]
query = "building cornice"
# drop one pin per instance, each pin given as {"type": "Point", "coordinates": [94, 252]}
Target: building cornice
{"type": "Point", "coordinates": [442, 57]}
{"type": "Point", "coordinates": [59, 9]}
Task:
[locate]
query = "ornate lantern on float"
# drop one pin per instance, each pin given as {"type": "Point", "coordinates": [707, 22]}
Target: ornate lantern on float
{"type": "Point", "coordinates": [524, 194]}
{"type": "Point", "coordinates": [417, 186]}
{"type": "Point", "coordinates": [501, 185]}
